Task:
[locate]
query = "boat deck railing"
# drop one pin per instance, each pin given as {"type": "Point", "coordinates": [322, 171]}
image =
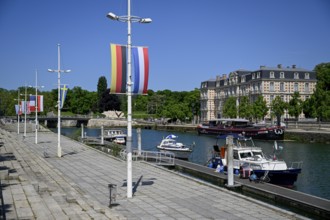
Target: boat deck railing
{"type": "Point", "coordinates": [159, 158]}
{"type": "Point", "coordinates": [296, 165]}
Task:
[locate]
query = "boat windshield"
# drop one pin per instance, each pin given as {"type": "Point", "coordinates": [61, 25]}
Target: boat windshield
{"type": "Point", "coordinates": [245, 155]}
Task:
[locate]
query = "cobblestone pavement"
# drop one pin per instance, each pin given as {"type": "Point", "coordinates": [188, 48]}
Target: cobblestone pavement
{"type": "Point", "coordinates": [39, 185]}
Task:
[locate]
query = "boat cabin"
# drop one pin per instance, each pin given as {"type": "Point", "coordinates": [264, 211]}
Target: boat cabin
{"type": "Point", "coordinates": [229, 122]}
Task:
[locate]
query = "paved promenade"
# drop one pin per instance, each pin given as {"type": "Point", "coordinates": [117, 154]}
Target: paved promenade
{"type": "Point", "coordinates": [76, 186]}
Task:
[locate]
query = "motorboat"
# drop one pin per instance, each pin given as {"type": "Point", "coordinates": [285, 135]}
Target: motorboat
{"type": "Point", "coordinates": [180, 150]}
{"type": "Point", "coordinates": [115, 135]}
{"type": "Point", "coordinates": [249, 159]}
{"type": "Point", "coordinates": [225, 126]}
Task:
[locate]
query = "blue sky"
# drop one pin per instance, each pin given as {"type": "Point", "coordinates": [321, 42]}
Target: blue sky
{"type": "Point", "coordinates": [189, 41]}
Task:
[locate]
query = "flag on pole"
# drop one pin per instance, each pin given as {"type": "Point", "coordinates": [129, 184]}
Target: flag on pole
{"type": "Point", "coordinates": [25, 106]}
{"type": "Point", "coordinates": [141, 70]}
{"type": "Point", "coordinates": [118, 70]}
{"type": "Point", "coordinates": [18, 109]}
{"type": "Point", "coordinates": [39, 103]}
{"type": "Point", "coordinates": [64, 91]}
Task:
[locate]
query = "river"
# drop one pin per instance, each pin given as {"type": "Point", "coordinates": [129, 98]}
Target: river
{"type": "Point", "coordinates": [313, 180]}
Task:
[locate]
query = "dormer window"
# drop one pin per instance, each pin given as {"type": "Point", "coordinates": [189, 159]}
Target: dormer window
{"type": "Point", "coordinates": [282, 76]}
{"type": "Point", "coordinates": [296, 75]}
{"type": "Point", "coordinates": [306, 75]}
{"type": "Point", "coordinates": [253, 75]}
{"type": "Point", "coordinates": [272, 75]}
{"type": "Point", "coordinates": [243, 79]}
{"type": "Point", "coordinates": [258, 75]}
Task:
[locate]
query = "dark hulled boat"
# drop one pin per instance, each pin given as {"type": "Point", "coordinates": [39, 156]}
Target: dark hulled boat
{"type": "Point", "coordinates": [241, 126]}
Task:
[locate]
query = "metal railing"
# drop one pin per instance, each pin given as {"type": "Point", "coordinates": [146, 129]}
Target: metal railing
{"type": "Point", "coordinates": [159, 158]}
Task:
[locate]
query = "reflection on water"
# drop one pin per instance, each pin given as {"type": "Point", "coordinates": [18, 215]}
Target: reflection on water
{"type": "Point", "coordinates": [313, 180]}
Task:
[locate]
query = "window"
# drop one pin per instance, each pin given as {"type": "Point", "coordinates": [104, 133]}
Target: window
{"type": "Point", "coordinates": [253, 75]}
{"type": "Point", "coordinates": [271, 75]}
{"type": "Point", "coordinates": [282, 87]}
{"type": "Point", "coordinates": [243, 79]}
{"type": "Point", "coordinates": [271, 87]}
{"type": "Point", "coordinates": [271, 98]}
{"type": "Point", "coordinates": [258, 75]}
{"type": "Point", "coordinates": [296, 87]}
{"type": "Point", "coordinates": [306, 75]}
{"type": "Point", "coordinates": [296, 75]}
{"type": "Point", "coordinates": [306, 87]}
{"type": "Point", "coordinates": [282, 75]}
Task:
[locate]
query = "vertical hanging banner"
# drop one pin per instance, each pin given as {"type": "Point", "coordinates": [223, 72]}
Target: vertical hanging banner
{"type": "Point", "coordinates": [118, 70]}
{"type": "Point", "coordinates": [18, 109]}
{"type": "Point", "coordinates": [25, 107]}
{"type": "Point", "coordinates": [36, 106]}
{"type": "Point", "coordinates": [64, 91]}
{"type": "Point", "coordinates": [141, 70]}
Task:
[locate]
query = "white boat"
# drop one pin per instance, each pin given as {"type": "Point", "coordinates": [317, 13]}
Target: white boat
{"type": "Point", "coordinates": [169, 144]}
{"type": "Point", "coordinates": [115, 135]}
{"type": "Point", "coordinates": [248, 159]}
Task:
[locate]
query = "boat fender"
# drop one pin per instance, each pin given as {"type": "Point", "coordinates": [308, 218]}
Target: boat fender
{"type": "Point", "coordinates": [278, 131]}
{"type": "Point", "coordinates": [253, 177]}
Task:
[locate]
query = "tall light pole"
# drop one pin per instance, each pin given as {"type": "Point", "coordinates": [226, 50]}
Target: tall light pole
{"type": "Point", "coordinates": [129, 19]}
{"type": "Point", "coordinates": [59, 71]}
{"type": "Point", "coordinates": [25, 106]}
{"type": "Point", "coordinates": [18, 111]}
{"type": "Point", "coordinates": [36, 107]}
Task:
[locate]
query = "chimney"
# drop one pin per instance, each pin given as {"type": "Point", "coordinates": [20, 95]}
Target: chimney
{"type": "Point", "coordinates": [294, 66]}
{"type": "Point", "coordinates": [262, 66]}
{"type": "Point", "coordinates": [279, 66]}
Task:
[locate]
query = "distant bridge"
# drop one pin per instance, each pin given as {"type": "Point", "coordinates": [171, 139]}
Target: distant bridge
{"type": "Point", "coordinates": [51, 121]}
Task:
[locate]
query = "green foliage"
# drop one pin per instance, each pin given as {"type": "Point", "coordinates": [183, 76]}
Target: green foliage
{"type": "Point", "coordinates": [295, 105]}
{"type": "Point", "coordinates": [245, 109]}
{"type": "Point", "coordinates": [81, 101]}
{"type": "Point", "coordinates": [101, 89]}
{"type": "Point", "coordinates": [109, 101]}
{"type": "Point", "coordinates": [229, 108]}
{"type": "Point", "coordinates": [321, 96]}
{"type": "Point", "coordinates": [278, 107]}
{"type": "Point", "coordinates": [260, 108]}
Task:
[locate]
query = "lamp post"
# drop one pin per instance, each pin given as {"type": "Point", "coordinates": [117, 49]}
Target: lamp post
{"type": "Point", "coordinates": [129, 19]}
{"type": "Point", "coordinates": [25, 106]}
{"type": "Point", "coordinates": [59, 71]}
{"type": "Point", "coordinates": [18, 111]}
{"type": "Point", "coordinates": [36, 107]}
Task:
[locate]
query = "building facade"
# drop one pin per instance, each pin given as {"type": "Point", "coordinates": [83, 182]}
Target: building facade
{"type": "Point", "coordinates": [266, 81]}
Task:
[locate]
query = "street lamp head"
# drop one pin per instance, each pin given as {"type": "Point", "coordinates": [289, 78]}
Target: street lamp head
{"type": "Point", "coordinates": [145, 20]}
{"type": "Point", "coordinates": [112, 16]}
{"type": "Point", "coordinates": [67, 71]}
{"type": "Point", "coordinates": [50, 70]}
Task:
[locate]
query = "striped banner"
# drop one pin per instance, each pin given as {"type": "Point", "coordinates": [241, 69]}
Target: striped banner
{"type": "Point", "coordinates": [118, 71]}
{"type": "Point", "coordinates": [141, 70]}
{"type": "Point", "coordinates": [64, 91]}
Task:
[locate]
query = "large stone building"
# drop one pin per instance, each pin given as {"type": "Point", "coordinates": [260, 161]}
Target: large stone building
{"type": "Point", "coordinates": [266, 81]}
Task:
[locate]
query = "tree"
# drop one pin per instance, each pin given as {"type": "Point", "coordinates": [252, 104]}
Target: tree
{"type": "Point", "coordinates": [109, 102]}
{"type": "Point", "coordinates": [295, 106]}
{"type": "Point", "coordinates": [322, 92]}
{"type": "Point", "coordinates": [245, 108]}
{"type": "Point", "coordinates": [229, 108]}
{"type": "Point", "coordinates": [101, 88]}
{"type": "Point", "coordinates": [278, 107]}
{"type": "Point", "coordinates": [260, 108]}
{"type": "Point", "coordinates": [81, 101]}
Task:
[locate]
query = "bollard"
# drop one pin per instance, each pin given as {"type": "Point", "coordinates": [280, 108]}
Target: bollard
{"type": "Point", "coordinates": [102, 135]}
{"type": "Point", "coordinates": [112, 193]}
{"type": "Point", "coordinates": [138, 131]}
{"type": "Point", "coordinates": [230, 168]}
{"type": "Point", "coordinates": [82, 131]}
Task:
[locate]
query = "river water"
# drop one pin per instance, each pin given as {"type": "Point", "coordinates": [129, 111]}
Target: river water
{"type": "Point", "coordinates": [313, 180]}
